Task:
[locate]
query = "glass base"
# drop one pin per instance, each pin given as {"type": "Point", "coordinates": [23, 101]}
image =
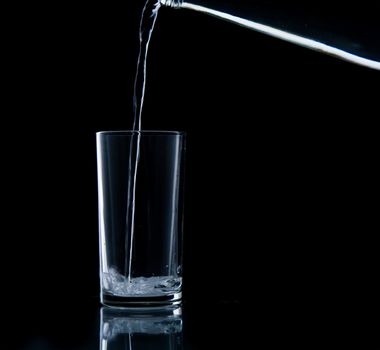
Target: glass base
{"type": "Point", "coordinates": [141, 301]}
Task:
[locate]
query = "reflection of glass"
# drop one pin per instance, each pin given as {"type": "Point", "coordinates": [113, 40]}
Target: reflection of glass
{"type": "Point", "coordinates": [141, 329]}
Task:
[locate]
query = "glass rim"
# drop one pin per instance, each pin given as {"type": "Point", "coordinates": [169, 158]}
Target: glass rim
{"type": "Point", "coordinates": [142, 132]}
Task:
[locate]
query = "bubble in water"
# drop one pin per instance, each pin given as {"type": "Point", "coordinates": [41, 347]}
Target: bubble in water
{"type": "Point", "coordinates": [119, 285]}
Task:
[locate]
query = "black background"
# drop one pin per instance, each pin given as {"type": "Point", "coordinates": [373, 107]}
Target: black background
{"type": "Point", "coordinates": [282, 156]}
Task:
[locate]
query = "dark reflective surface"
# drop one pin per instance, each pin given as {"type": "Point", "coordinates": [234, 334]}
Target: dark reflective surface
{"type": "Point", "coordinates": [90, 326]}
{"type": "Point", "coordinates": [262, 322]}
{"type": "Point", "coordinates": [43, 324]}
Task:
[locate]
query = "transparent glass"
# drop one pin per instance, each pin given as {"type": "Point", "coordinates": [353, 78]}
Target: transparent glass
{"type": "Point", "coordinates": [140, 192]}
{"type": "Point", "coordinates": [349, 31]}
{"type": "Point", "coordinates": [141, 330]}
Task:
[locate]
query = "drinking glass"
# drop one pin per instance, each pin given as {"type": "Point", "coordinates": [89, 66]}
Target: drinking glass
{"type": "Point", "coordinates": [140, 193]}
